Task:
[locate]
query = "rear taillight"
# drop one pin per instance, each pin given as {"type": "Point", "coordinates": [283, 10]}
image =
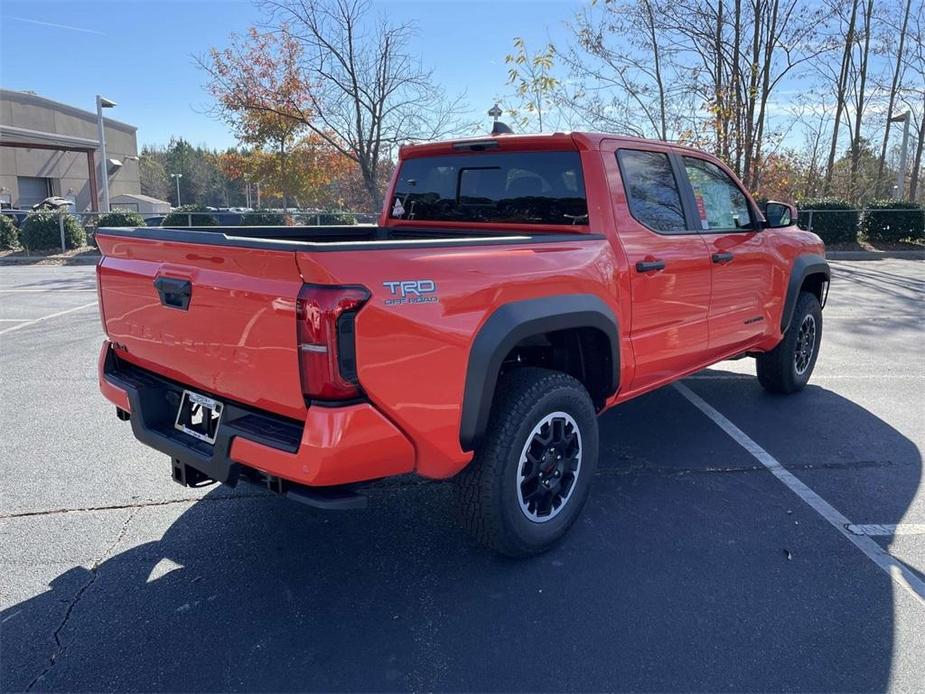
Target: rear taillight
{"type": "Point", "coordinates": [327, 348]}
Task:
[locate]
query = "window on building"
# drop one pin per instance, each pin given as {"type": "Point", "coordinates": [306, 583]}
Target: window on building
{"type": "Point", "coordinates": [652, 190]}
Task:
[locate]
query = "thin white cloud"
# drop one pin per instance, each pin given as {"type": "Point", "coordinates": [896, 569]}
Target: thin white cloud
{"type": "Point", "coordinates": [57, 26]}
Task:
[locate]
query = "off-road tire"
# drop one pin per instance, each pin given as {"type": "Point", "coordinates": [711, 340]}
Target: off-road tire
{"type": "Point", "coordinates": [489, 500]}
{"type": "Point", "coordinates": [777, 370]}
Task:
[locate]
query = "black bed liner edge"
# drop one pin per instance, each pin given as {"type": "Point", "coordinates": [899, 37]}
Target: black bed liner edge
{"type": "Point", "coordinates": [285, 238]}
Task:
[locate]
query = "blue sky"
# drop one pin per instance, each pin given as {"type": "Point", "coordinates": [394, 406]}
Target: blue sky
{"type": "Point", "coordinates": [140, 52]}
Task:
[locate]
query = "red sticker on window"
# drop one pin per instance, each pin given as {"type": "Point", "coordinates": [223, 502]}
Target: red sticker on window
{"type": "Point", "coordinates": [702, 211]}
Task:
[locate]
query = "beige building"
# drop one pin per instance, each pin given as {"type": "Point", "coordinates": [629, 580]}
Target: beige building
{"type": "Point", "coordinates": [49, 148]}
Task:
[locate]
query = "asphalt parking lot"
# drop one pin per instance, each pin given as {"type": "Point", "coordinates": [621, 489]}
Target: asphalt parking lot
{"type": "Point", "coordinates": [697, 565]}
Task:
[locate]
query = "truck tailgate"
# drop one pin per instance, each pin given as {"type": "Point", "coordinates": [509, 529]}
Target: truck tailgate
{"type": "Point", "coordinates": [236, 338]}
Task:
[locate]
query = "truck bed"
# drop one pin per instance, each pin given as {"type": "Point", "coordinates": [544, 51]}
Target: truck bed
{"type": "Point", "coordinates": [214, 308]}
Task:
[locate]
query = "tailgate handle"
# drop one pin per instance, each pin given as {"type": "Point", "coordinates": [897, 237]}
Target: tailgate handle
{"type": "Point", "coordinates": [174, 293]}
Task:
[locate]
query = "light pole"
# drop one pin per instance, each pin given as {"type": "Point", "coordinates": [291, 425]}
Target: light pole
{"type": "Point", "coordinates": [177, 178]}
{"type": "Point", "coordinates": [247, 190]}
{"type": "Point", "coordinates": [101, 103]}
{"type": "Point", "coordinates": [901, 174]}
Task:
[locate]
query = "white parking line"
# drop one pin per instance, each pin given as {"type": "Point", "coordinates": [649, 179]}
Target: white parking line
{"type": "Point", "coordinates": [896, 570]}
{"type": "Point", "coordinates": [43, 318]}
{"type": "Point", "coordinates": [46, 289]}
{"type": "Point", "coordinates": [887, 529]}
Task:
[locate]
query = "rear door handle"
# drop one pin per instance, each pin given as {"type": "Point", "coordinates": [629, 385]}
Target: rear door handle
{"type": "Point", "coordinates": [722, 257]}
{"type": "Point", "coordinates": [175, 293]}
{"type": "Point", "coordinates": [650, 265]}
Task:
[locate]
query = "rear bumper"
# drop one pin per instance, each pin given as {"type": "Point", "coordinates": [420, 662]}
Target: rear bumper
{"type": "Point", "coordinates": [333, 446]}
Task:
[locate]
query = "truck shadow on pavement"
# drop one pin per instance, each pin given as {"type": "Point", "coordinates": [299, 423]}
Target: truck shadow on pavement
{"type": "Point", "coordinates": [692, 568]}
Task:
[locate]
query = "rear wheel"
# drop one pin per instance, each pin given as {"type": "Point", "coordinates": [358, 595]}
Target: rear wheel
{"type": "Point", "coordinates": [532, 472]}
{"type": "Point", "coordinates": [787, 367]}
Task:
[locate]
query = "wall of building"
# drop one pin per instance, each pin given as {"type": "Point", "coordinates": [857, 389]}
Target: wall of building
{"type": "Point", "coordinates": [67, 170]}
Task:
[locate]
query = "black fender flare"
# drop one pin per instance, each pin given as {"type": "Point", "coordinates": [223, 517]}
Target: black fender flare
{"type": "Point", "coordinates": [513, 322]}
{"type": "Point", "coordinates": [804, 266]}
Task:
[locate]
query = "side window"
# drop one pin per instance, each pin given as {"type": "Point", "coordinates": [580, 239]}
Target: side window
{"type": "Point", "coordinates": [721, 205]}
{"type": "Point", "coordinates": [652, 191]}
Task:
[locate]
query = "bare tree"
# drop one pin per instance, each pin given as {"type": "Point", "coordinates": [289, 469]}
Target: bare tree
{"type": "Point", "coordinates": [628, 81]}
{"type": "Point", "coordinates": [737, 63]}
{"type": "Point", "coordinates": [359, 87]}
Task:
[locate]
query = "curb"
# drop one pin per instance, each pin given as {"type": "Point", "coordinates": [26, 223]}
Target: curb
{"type": "Point", "coordinates": [875, 255]}
{"type": "Point", "coordinates": [50, 260]}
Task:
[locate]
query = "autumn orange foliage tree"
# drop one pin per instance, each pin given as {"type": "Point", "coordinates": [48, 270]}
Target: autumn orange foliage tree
{"type": "Point", "coordinates": [312, 177]}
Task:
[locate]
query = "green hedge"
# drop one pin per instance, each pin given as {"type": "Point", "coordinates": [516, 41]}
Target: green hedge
{"type": "Point", "coordinates": [833, 219]}
{"type": "Point", "coordinates": [40, 232]}
{"type": "Point", "coordinates": [121, 218]}
{"type": "Point", "coordinates": [179, 217]}
{"type": "Point", "coordinates": [893, 220]}
{"type": "Point", "coordinates": [265, 218]}
{"type": "Point", "coordinates": [334, 218]}
{"type": "Point", "coordinates": [9, 234]}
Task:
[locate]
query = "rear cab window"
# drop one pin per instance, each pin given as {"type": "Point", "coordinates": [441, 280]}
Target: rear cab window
{"type": "Point", "coordinates": [541, 188]}
{"type": "Point", "coordinates": [652, 190]}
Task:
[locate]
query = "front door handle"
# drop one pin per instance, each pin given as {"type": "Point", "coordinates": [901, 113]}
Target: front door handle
{"type": "Point", "coordinates": [722, 258]}
{"type": "Point", "coordinates": [650, 265]}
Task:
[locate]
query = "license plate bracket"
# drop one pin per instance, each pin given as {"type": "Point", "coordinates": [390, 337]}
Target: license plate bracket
{"type": "Point", "coordinates": [199, 416]}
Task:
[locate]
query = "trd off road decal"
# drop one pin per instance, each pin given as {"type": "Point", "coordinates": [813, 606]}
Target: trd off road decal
{"type": "Point", "coordinates": [411, 292]}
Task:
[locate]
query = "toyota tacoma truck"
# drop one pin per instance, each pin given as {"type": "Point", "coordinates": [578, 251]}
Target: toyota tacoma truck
{"type": "Point", "coordinates": [514, 288]}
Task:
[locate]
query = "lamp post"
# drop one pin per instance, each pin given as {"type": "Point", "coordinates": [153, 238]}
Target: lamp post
{"type": "Point", "coordinates": [177, 178]}
{"type": "Point", "coordinates": [101, 103]}
{"type": "Point", "coordinates": [901, 173]}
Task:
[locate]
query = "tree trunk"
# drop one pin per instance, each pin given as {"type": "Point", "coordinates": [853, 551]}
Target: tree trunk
{"type": "Point", "coordinates": [889, 111]}
{"type": "Point", "coordinates": [663, 120]}
{"type": "Point", "coordinates": [840, 95]}
{"type": "Point", "coordinates": [736, 87]}
{"type": "Point", "coordinates": [917, 160]}
{"type": "Point", "coordinates": [753, 181]}
{"type": "Point", "coordinates": [282, 173]}
{"type": "Point", "coordinates": [859, 110]}
{"type": "Point", "coordinates": [720, 117]}
{"type": "Point", "coordinates": [370, 175]}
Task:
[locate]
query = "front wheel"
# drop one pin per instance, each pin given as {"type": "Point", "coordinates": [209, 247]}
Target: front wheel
{"type": "Point", "coordinates": [532, 472]}
{"type": "Point", "coordinates": [787, 367]}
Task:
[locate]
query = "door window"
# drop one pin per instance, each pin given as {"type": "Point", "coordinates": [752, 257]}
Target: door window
{"type": "Point", "coordinates": [721, 204]}
{"type": "Point", "coordinates": [652, 190]}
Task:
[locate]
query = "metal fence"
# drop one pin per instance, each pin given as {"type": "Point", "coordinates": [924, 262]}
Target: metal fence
{"type": "Point", "coordinates": [223, 218]}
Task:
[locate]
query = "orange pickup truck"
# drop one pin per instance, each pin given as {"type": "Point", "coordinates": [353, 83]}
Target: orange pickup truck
{"type": "Point", "coordinates": [515, 287]}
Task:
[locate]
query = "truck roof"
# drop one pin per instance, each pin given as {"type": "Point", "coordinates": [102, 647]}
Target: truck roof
{"type": "Point", "coordinates": [527, 142]}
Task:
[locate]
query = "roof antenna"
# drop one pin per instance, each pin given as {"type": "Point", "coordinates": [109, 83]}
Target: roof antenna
{"type": "Point", "coordinates": [497, 127]}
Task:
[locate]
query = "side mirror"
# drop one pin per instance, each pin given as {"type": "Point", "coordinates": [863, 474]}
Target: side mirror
{"type": "Point", "coordinates": [780, 214]}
